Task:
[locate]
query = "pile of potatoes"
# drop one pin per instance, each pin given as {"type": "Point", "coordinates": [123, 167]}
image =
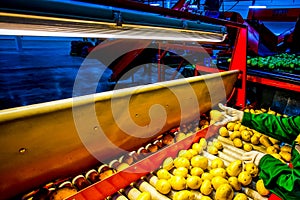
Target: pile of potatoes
{"type": "Point", "coordinates": [197, 174]}
{"type": "Point", "coordinates": [247, 139]}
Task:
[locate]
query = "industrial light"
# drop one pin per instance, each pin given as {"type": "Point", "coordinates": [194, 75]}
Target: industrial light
{"type": "Point", "coordinates": [193, 6]}
{"type": "Point", "coordinates": [258, 7]}
{"type": "Point", "coordinates": [96, 29]}
{"type": "Point", "coordinates": [154, 4]}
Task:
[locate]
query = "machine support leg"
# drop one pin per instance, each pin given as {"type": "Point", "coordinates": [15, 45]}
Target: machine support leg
{"type": "Point", "coordinates": [18, 43]}
{"type": "Point", "coordinates": [238, 61]}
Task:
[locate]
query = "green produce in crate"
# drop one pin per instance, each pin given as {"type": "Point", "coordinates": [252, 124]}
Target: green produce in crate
{"type": "Point", "coordinates": [260, 64]}
{"type": "Point", "coordinates": [281, 62]}
{"type": "Point", "coordinates": [271, 66]}
{"type": "Point", "coordinates": [254, 63]}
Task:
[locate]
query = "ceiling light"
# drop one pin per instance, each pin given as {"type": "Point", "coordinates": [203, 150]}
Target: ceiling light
{"type": "Point", "coordinates": [258, 7]}
{"type": "Point", "coordinates": [154, 4]}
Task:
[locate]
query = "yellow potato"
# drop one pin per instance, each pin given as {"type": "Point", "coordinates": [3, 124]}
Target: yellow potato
{"type": "Point", "coordinates": [224, 192]}
{"type": "Point", "coordinates": [237, 127]}
{"type": "Point", "coordinates": [230, 126]}
{"type": "Point", "coordinates": [168, 163]}
{"type": "Point", "coordinates": [247, 147]}
{"type": "Point", "coordinates": [260, 187]}
{"type": "Point", "coordinates": [213, 150]}
{"type": "Point", "coordinates": [183, 195]}
{"type": "Point", "coordinates": [223, 131]}
{"type": "Point", "coordinates": [251, 168]}
{"type": "Point", "coordinates": [177, 182]}
{"type": "Point", "coordinates": [235, 134]}
{"type": "Point", "coordinates": [163, 186]}
{"type": "Point", "coordinates": [197, 147]}
{"type": "Point", "coordinates": [207, 175]}
{"type": "Point", "coordinates": [206, 187]}
{"type": "Point", "coordinates": [181, 162]}
{"type": "Point", "coordinates": [196, 171]}
{"type": "Point", "coordinates": [245, 178]}
{"type": "Point", "coordinates": [234, 168]}
{"type": "Point", "coordinates": [286, 156]}
{"type": "Point", "coordinates": [240, 196]}
{"type": "Point", "coordinates": [271, 150]}
{"type": "Point", "coordinates": [286, 148]}
{"type": "Point", "coordinates": [199, 161]}
{"type": "Point", "coordinates": [218, 145]}
{"type": "Point", "coordinates": [194, 182]}
{"type": "Point", "coordinates": [235, 184]}
{"type": "Point", "coordinates": [218, 172]}
{"type": "Point", "coordinates": [217, 163]}
{"type": "Point", "coordinates": [181, 171]}
{"type": "Point", "coordinates": [254, 139]}
{"type": "Point", "coordinates": [163, 174]}
{"type": "Point", "coordinates": [246, 135]}
{"type": "Point", "coordinates": [217, 181]}
{"type": "Point", "coordinates": [237, 142]}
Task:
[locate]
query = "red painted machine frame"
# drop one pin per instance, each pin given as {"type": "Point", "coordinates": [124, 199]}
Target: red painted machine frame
{"type": "Point", "coordinates": [238, 62]}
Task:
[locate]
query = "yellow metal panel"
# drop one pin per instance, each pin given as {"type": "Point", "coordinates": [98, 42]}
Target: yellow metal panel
{"type": "Point", "coordinates": [41, 142]}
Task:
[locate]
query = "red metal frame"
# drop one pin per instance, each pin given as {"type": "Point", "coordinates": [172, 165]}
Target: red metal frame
{"type": "Point", "coordinates": [178, 5]}
{"type": "Point", "coordinates": [239, 62]}
{"type": "Point", "coordinates": [138, 47]}
{"type": "Point", "coordinates": [177, 69]}
{"type": "Point", "coordinates": [177, 46]}
{"type": "Point", "coordinates": [121, 179]}
{"type": "Point", "coordinates": [160, 72]}
{"type": "Point", "coordinates": [274, 83]}
{"type": "Point", "coordinates": [124, 62]}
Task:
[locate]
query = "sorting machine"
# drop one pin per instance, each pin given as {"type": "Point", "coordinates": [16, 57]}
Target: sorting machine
{"type": "Point", "coordinates": [56, 140]}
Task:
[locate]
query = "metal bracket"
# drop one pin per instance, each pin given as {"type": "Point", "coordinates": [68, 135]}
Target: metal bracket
{"type": "Point", "coordinates": [117, 17]}
{"type": "Point", "coordinates": [184, 25]}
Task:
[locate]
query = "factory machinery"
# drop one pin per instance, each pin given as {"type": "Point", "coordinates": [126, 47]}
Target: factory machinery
{"type": "Point", "coordinates": [100, 144]}
{"type": "Point", "coordinates": [264, 45]}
